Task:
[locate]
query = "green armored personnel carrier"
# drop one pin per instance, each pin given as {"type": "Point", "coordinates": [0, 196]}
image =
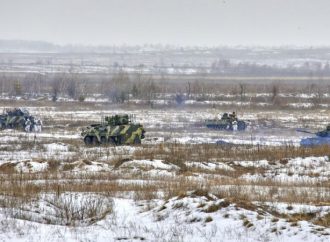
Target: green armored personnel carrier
{"type": "Point", "coordinates": [116, 130]}
{"type": "Point", "coordinates": [227, 122]}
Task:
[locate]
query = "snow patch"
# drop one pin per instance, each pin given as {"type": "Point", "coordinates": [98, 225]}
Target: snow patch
{"type": "Point", "coordinates": [56, 147]}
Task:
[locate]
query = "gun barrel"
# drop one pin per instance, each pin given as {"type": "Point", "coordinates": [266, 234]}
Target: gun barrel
{"type": "Point", "coordinates": [304, 131]}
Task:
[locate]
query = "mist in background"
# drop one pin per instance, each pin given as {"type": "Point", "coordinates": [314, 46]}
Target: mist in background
{"type": "Point", "coordinates": [184, 22]}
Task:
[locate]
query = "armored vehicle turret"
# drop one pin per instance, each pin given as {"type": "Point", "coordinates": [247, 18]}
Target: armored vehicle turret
{"type": "Point", "coordinates": [227, 122]}
{"type": "Point", "coordinates": [19, 119]}
{"type": "Point", "coordinates": [114, 130]}
{"type": "Point", "coordinates": [324, 133]}
{"type": "Point", "coordinates": [322, 138]}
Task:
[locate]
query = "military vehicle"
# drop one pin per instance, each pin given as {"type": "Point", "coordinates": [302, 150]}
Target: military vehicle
{"type": "Point", "coordinates": [114, 130]}
{"type": "Point", "coordinates": [322, 138]}
{"type": "Point", "coordinates": [20, 119]}
{"type": "Point", "coordinates": [227, 122]}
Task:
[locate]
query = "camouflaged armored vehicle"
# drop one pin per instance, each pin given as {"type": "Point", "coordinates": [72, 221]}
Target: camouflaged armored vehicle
{"type": "Point", "coordinates": [227, 122]}
{"type": "Point", "coordinates": [20, 119]}
{"type": "Point", "coordinates": [322, 138]}
{"type": "Point", "coordinates": [116, 130]}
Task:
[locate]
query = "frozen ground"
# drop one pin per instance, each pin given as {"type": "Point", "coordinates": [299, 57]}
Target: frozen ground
{"type": "Point", "coordinates": [186, 125]}
{"type": "Point", "coordinates": [178, 219]}
{"type": "Point", "coordinates": [175, 187]}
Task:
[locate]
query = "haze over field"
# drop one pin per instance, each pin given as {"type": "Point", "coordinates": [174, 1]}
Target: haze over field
{"type": "Point", "coordinates": [184, 22]}
{"type": "Point", "coordinates": [165, 120]}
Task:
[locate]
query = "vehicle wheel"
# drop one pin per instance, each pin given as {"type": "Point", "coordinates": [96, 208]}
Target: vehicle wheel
{"type": "Point", "coordinates": [229, 127]}
{"type": "Point", "coordinates": [241, 125]}
{"type": "Point", "coordinates": [137, 140]}
{"type": "Point", "coordinates": [94, 140]}
{"type": "Point", "coordinates": [88, 140]}
{"type": "Point", "coordinates": [120, 140]}
{"type": "Point", "coordinates": [103, 140]}
{"type": "Point", "coordinates": [111, 141]}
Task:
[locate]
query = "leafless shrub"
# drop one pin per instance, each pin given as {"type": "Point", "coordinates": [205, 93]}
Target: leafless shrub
{"type": "Point", "coordinates": [242, 90]}
{"type": "Point", "coordinates": [118, 87]}
{"type": "Point", "coordinates": [145, 194]}
{"type": "Point", "coordinates": [56, 86]}
{"type": "Point", "coordinates": [72, 88]}
{"type": "Point", "coordinates": [74, 209]}
{"type": "Point", "coordinates": [323, 221]}
{"type": "Point", "coordinates": [275, 91]}
{"type": "Point", "coordinates": [53, 165]}
{"type": "Point", "coordinates": [317, 98]}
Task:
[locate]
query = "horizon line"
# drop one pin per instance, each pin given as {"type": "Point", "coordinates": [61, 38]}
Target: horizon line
{"type": "Point", "coordinates": [171, 45]}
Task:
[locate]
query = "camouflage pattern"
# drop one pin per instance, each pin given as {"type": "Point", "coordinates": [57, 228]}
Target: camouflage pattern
{"type": "Point", "coordinates": [117, 130]}
{"type": "Point", "coordinates": [227, 122]}
{"type": "Point", "coordinates": [20, 119]}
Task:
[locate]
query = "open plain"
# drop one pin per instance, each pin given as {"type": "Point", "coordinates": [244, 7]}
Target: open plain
{"type": "Point", "coordinates": [179, 185]}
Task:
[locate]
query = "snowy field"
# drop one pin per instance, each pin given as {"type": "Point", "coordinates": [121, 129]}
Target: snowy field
{"type": "Point", "coordinates": [177, 186]}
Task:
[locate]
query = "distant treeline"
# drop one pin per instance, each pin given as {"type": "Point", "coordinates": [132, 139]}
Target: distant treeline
{"type": "Point", "coordinates": [308, 69]}
{"type": "Point", "coordinates": [159, 59]}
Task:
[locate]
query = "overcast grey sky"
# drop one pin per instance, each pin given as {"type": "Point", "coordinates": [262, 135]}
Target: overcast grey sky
{"type": "Point", "coordinates": [179, 22]}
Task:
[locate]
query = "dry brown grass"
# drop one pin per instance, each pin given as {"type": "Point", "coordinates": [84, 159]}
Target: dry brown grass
{"type": "Point", "coordinates": [228, 185]}
{"type": "Point", "coordinates": [7, 168]}
{"type": "Point", "coordinates": [233, 189]}
{"type": "Point", "coordinates": [323, 221]}
{"type": "Point", "coordinates": [178, 153]}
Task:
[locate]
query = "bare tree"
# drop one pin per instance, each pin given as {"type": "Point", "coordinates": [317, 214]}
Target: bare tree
{"type": "Point", "coordinates": [150, 90]}
{"type": "Point", "coordinates": [275, 91]}
{"type": "Point", "coordinates": [118, 88]}
{"type": "Point", "coordinates": [18, 88]}
{"type": "Point", "coordinates": [242, 90]}
{"type": "Point", "coordinates": [82, 87]}
{"type": "Point", "coordinates": [32, 84]}
{"type": "Point", "coordinates": [317, 96]}
{"type": "Point", "coordinates": [135, 90]}
{"type": "Point", "coordinates": [198, 89]}
{"type": "Point", "coordinates": [5, 83]}
{"type": "Point", "coordinates": [71, 88]}
{"type": "Point", "coordinates": [188, 90]}
{"type": "Point", "coordinates": [56, 86]}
